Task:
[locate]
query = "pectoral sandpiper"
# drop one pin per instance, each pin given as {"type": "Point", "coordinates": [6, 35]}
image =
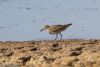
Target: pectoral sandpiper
{"type": "Point", "coordinates": [56, 29]}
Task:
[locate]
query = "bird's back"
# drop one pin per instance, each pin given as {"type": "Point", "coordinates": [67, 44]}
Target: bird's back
{"type": "Point", "coordinates": [55, 29]}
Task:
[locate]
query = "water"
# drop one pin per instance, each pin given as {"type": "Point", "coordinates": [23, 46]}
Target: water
{"type": "Point", "coordinates": [22, 20]}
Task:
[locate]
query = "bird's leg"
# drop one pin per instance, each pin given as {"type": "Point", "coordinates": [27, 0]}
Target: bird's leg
{"type": "Point", "coordinates": [56, 36]}
{"type": "Point", "coordinates": [61, 36]}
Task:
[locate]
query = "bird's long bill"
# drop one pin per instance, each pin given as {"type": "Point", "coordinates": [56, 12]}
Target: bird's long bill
{"type": "Point", "coordinates": [42, 29]}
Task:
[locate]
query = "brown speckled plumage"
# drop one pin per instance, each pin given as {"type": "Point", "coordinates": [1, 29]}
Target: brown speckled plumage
{"type": "Point", "coordinates": [56, 29]}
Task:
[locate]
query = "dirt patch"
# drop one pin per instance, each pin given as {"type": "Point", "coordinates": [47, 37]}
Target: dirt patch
{"type": "Point", "coordinates": [63, 53]}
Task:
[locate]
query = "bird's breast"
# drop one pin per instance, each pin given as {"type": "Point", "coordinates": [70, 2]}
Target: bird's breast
{"type": "Point", "coordinates": [51, 32]}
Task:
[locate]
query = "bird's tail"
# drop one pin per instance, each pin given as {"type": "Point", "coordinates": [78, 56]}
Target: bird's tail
{"type": "Point", "coordinates": [67, 25]}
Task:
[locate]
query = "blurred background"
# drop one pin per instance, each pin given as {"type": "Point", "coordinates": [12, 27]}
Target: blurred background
{"type": "Point", "coordinates": [21, 20]}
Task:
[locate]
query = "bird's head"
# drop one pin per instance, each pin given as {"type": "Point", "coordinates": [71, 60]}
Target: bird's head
{"type": "Point", "coordinates": [45, 27]}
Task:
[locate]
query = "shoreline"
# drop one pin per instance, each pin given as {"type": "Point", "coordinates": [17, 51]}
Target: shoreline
{"type": "Point", "coordinates": [44, 40]}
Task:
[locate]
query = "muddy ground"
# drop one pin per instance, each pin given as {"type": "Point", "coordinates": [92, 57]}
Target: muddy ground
{"type": "Point", "coordinates": [62, 53]}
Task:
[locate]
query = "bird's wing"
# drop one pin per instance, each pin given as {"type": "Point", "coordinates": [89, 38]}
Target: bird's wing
{"type": "Point", "coordinates": [55, 28]}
